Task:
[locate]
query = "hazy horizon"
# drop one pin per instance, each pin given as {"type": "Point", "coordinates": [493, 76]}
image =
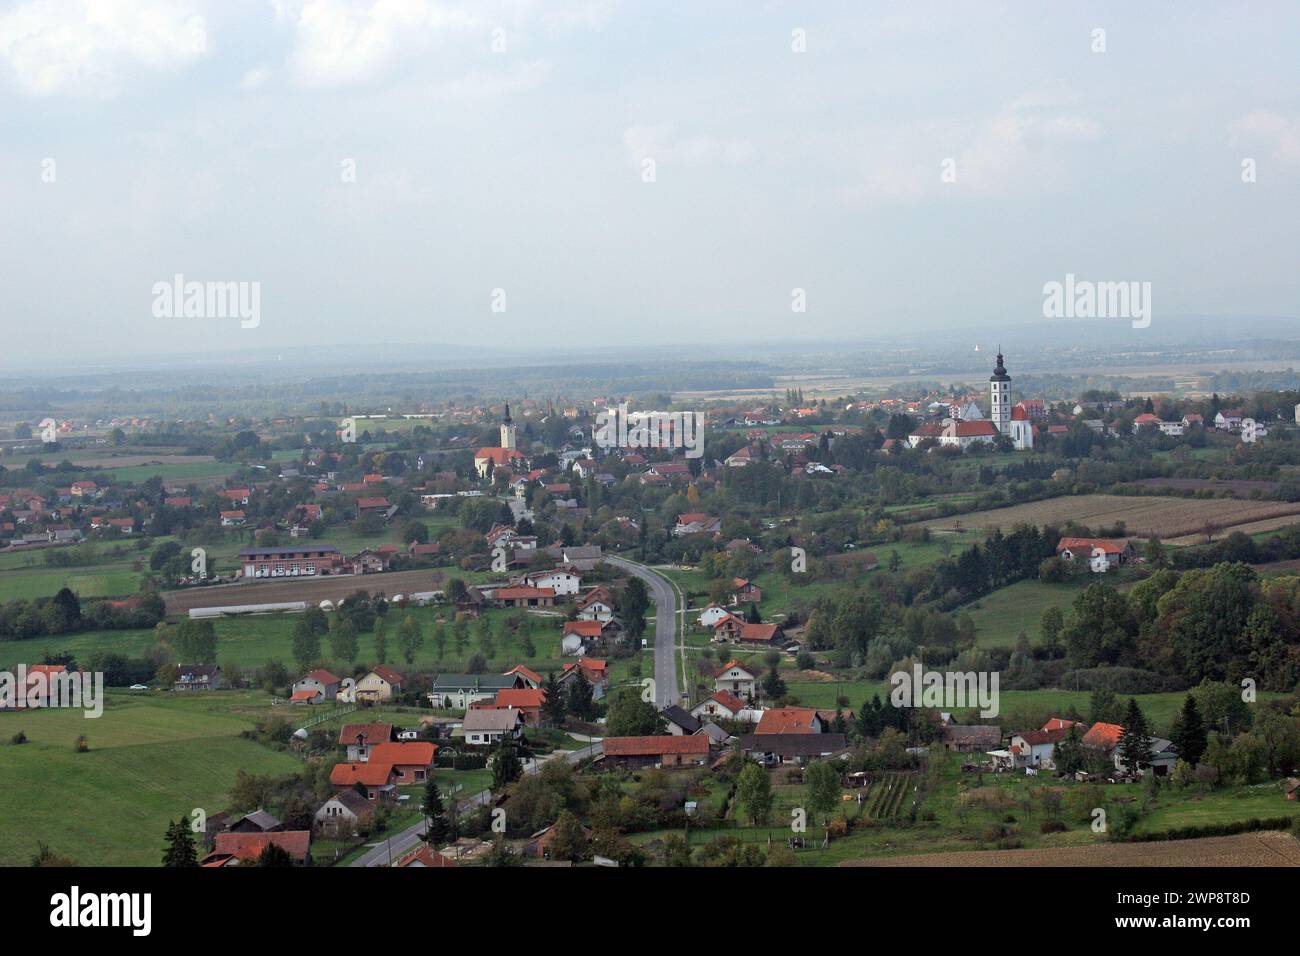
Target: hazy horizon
{"type": "Point", "coordinates": [378, 170]}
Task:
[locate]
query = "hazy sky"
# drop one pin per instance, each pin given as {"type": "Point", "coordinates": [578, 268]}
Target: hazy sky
{"type": "Point", "coordinates": [214, 139]}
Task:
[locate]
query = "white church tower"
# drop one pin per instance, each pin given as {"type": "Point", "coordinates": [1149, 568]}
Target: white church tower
{"type": "Point", "coordinates": [1000, 397]}
{"type": "Point", "coordinates": [507, 429]}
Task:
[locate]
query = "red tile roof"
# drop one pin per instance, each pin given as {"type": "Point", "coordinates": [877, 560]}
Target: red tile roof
{"type": "Point", "coordinates": [654, 746]}
{"type": "Point", "coordinates": [1108, 545]}
{"type": "Point", "coordinates": [1104, 736]}
{"type": "Point", "coordinates": [728, 700]}
{"type": "Point", "coordinates": [411, 753]}
{"type": "Point", "coordinates": [372, 733]}
{"type": "Point", "coordinates": [387, 673]}
{"type": "Point", "coordinates": [521, 697]}
{"type": "Point", "coordinates": [787, 720]}
{"type": "Point", "coordinates": [250, 846]}
{"type": "Point", "coordinates": [367, 774]}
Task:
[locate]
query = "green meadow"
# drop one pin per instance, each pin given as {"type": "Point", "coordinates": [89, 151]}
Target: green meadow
{"type": "Point", "coordinates": [151, 759]}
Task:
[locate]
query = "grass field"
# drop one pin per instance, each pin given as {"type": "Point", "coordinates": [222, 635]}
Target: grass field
{"type": "Point", "coordinates": [1000, 616]}
{"type": "Point", "coordinates": [151, 760]}
{"type": "Point", "coordinates": [250, 641]}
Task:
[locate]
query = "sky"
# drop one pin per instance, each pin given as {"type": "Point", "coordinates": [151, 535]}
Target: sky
{"type": "Point", "coordinates": [558, 175]}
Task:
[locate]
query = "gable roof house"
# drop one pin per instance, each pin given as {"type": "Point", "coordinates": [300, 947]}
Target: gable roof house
{"type": "Point", "coordinates": [679, 722]}
{"type": "Point", "coordinates": [735, 677]}
{"type": "Point", "coordinates": [486, 727]}
{"type": "Point", "coordinates": [1114, 551]}
{"type": "Point", "coordinates": [345, 810]}
{"type": "Point", "coordinates": [655, 751]}
{"type": "Point", "coordinates": [722, 704]}
{"type": "Point", "coordinates": [696, 522]}
{"type": "Point", "coordinates": [244, 849]}
{"type": "Point", "coordinates": [377, 779]}
{"type": "Point", "coordinates": [410, 760]}
{"type": "Point", "coordinates": [381, 684]}
{"type": "Point", "coordinates": [194, 677]}
{"type": "Point", "coordinates": [791, 720]}
{"type": "Point", "coordinates": [577, 636]}
{"type": "Point", "coordinates": [797, 748]}
{"type": "Point", "coordinates": [973, 738]}
{"type": "Point", "coordinates": [361, 739]}
{"type": "Point", "coordinates": [594, 671]}
{"type": "Point", "coordinates": [459, 691]}
{"type": "Point", "coordinates": [316, 686]}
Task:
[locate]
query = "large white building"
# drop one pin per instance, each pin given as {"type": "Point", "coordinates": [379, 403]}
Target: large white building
{"type": "Point", "coordinates": [1012, 422]}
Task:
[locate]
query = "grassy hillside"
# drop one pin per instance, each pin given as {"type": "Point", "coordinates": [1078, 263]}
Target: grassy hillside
{"type": "Point", "coordinates": [151, 759]}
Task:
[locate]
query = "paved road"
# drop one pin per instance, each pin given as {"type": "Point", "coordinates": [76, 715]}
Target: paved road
{"type": "Point", "coordinates": [410, 838]}
{"type": "Point", "coordinates": [664, 596]}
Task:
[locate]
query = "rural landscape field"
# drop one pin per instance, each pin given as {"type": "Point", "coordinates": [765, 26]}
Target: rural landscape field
{"type": "Point", "coordinates": [517, 435]}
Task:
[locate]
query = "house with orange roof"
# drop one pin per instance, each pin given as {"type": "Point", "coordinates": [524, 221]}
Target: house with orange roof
{"type": "Point", "coordinates": [745, 592]}
{"type": "Point", "coordinates": [529, 701]}
{"type": "Point", "coordinates": [381, 684]}
{"type": "Point", "coordinates": [532, 678]}
{"type": "Point", "coordinates": [376, 780]}
{"type": "Point", "coordinates": [737, 678]}
{"type": "Point", "coordinates": [245, 849]}
{"type": "Point", "coordinates": [524, 597]}
{"type": "Point", "coordinates": [1111, 551]}
{"type": "Point", "coordinates": [721, 704]}
{"type": "Point", "coordinates": [578, 635]}
{"type": "Point", "coordinates": [410, 761]}
{"type": "Point", "coordinates": [791, 720]}
{"type": "Point", "coordinates": [593, 670]}
{"type": "Point", "coordinates": [361, 739]}
{"type": "Point", "coordinates": [317, 686]}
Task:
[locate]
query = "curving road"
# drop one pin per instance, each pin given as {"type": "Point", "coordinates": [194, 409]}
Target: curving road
{"type": "Point", "coordinates": [664, 595]}
{"type": "Point", "coordinates": [400, 843]}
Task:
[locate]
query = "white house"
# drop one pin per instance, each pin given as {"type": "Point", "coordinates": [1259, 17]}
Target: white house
{"type": "Point", "coordinates": [318, 682]}
{"type": "Point", "coordinates": [484, 727]}
{"type": "Point", "coordinates": [711, 615]}
{"type": "Point", "coordinates": [736, 678]}
{"type": "Point", "coordinates": [562, 582]}
{"type": "Point", "coordinates": [720, 704]}
{"type": "Point", "coordinates": [1229, 419]}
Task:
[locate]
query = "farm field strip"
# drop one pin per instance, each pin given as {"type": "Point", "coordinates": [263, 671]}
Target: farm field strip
{"type": "Point", "coordinates": [1169, 518]}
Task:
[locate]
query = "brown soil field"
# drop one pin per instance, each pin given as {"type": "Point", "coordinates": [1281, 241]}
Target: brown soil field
{"type": "Point", "coordinates": [1270, 848]}
{"type": "Point", "coordinates": [312, 590]}
{"type": "Point", "coordinates": [131, 461]}
{"type": "Point", "coordinates": [1170, 518]}
{"type": "Point", "coordinates": [1250, 527]}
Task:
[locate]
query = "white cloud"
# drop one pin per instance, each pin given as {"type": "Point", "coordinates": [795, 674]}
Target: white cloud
{"type": "Point", "coordinates": [343, 43]}
{"type": "Point", "coordinates": [1024, 148]}
{"type": "Point", "coordinates": [664, 145]}
{"type": "Point", "coordinates": [1271, 131]}
{"type": "Point", "coordinates": [254, 79]}
{"type": "Point", "coordinates": [85, 47]}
